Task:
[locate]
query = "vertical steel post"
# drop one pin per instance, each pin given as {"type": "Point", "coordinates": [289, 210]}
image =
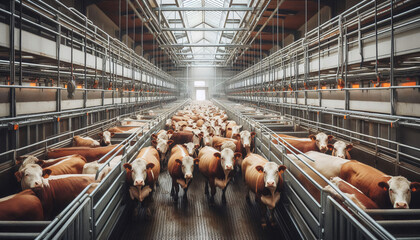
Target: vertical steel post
{"type": "Point", "coordinates": [58, 45]}
{"type": "Point", "coordinates": [13, 133]}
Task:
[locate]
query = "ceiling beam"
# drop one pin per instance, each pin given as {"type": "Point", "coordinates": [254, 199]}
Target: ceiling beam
{"type": "Point", "coordinates": [173, 9]}
{"type": "Point", "coordinates": [205, 29]}
{"type": "Point", "coordinates": [182, 45]}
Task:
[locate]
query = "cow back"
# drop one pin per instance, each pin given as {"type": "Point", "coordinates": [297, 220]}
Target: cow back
{"type": "Point", "coordinates": [23, 206]}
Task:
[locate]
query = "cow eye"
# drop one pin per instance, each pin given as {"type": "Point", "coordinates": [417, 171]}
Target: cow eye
{"type": "Point", "coordinates": [391, 190]}
{"type": "Point", "coordinates": [26, 175]}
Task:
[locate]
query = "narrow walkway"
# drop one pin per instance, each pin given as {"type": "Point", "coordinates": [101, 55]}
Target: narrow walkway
{"type": "Point", "coordinates": [195, 219]}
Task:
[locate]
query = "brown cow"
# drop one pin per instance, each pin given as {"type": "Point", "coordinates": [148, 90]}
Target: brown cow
{"type": "Point", "coordinates": [264, 179]}
{"type": "Point", "coordinates": [79, 141]}
{"type": "Point", "coordinates": [123, 129]}
{"type": "Point", "coordinates": [71, 165]}
{"type": "Point", "coordinates": [143, 173]}
{"type": "Point", "coordinates": [55, 194]}
{"type": "Point", "coordinates": [23, 206]}
{"type": "Point", "coordinates": [359, 198]}
{"type": "Point", "coordinates": [386, 191]}
{"type": "Point", "coordinates": [318, 142]}
{"type": "Point", "coordinates": [186, 137]}
{"type": "Point", "coordinates": [91, 154]}
{"type": "Point", "coordinates": [180, 167]}
{"type": "Point", "coordinates": [217, 168]}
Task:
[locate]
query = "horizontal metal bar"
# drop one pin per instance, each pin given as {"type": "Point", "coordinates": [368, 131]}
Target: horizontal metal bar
{"type": "Point", "coordinates": [202, 60]}
{"type": "Point", "coordinates": [181, 45]}
{"type": "Point", "coordinates": [205, 29]}
{"type": "Point", "coordinates": [23, 223]}
{"type": "Point", "coordinates": [170, 8]}
{"type": "Point", "coordinates": [389, 212]}
{"type": "Point", "coordinates": [202, 54]}
{"type": "Point", "coordinates": [399, 223]}
{"type": "Point", "coordinates": [20, 235]}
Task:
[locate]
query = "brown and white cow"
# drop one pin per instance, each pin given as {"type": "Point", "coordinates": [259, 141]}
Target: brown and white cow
{"type": "Point", "coordinates": [359, 198]}
{"type": "Point", "coordinates": [79, 141]}
{"type": "Point", "coordinates": [162, 147]}
{"type": "Point", "coordinates": [163, 134]}
{"type": "Point", "coordinates": [73, 164]}
{"type": "Point", "coordinates": [340, 149]}
{"type": "Point", "coordinates": [264, 179]}
{"type": "Point", "coordinates": [386, 191]}
{"type": "Point", "coordinates": [123, 129]}
{"type": "Point", "coordinates": [180, 167]}
{"type": "Point", "coordinates": [23, 206]}
{"type": "Point", "coordinates": [217, 168]}
{"type": "Point", "coordinates": [56, 193]}
{"type": "Point", "coordinates": [186, 137]}
{"type": "Point", "coordinates": [191, 148]}
{"type": "Point", "coordinates": [105, 138]}
{"type": "Point", "coordinates": [247, 139]}
{"type": "Point", "coordinates": [143, 173]}
{"type": "Point", "coordinates": [93, 167]}
{"type": "Point", "coordinates": [318, 142]}
{"type": "Point", "coordinates": [91, 154]}
{"type": "Point", "coordinates": [327, 165]}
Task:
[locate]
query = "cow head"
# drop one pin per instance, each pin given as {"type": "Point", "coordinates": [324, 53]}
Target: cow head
{"type": "Point", "coordinates": [340, 149]}
{"type": "Point", "coordinates": [208, 139]}
{"type": "Point", "coordinates": [191, 147]}
{"type": "Point", "coordinates": [31, 176]}
{"type": "Point", "coordinates": [90, 168]}
{"type": "Point", "coordinates": [321, 140]}
{"type": "Point", "coordinates": [140, 171]}
{"type": "Point", "coordinates": [246, 138]}
{"type": "Point", "coordinates": [236, 129]}
{"type": "Point", "coordinates": [106, 138]}
{"type": "Point", "coordinates": [272, 173]}
{"type": "Point", "coordinates": [168, 123]}
{"type": "Point", "coordinates": [161, 145]}
{"type": "Point", "coordinates": [187, 166]}
{"type": "Point", "coordinates": [228, 144]}
{"type": "Point", "coordinates": [217, 131]}
{"type": "Point", "coordinates": [399, 189]}
{"type": "Point", "coordinates": [227, 159]}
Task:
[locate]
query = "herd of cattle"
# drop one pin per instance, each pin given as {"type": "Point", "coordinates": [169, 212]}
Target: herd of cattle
{"type": "Point", "coordinates": [200, 134]}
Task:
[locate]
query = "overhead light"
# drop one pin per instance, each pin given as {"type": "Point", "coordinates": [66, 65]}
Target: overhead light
{"type": "Point", "coordinates": [28, 57]}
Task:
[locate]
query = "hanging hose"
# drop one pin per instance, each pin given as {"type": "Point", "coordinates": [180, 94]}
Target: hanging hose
{"type": "Point", "coordinates": [339, 79]}
{"type": "Point", "coordinates": [359, 39]}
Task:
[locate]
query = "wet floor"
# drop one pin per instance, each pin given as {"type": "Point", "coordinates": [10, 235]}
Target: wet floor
{"type": "Point", "coordinates": [195, 219]}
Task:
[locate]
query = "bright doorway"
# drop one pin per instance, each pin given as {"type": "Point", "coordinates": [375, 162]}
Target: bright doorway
{"type": "Point", "coordinates": [200, 94]}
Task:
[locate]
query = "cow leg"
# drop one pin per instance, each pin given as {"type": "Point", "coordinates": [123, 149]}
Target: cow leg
{"type": "Point", "coordinates": [186, 190]}
{"type": "Point", "coordinates": [206, 187]}
{"type": "Point", "coordinates": [271, 219]}
{"type": "Point", "coordinates": [173, 188]}
{"type": "Point", "coordinates": [263, 211]}
{"type": "Point", "coordinates": [224, 193]}
{"type": "Point", "coordinates": [213, 190]}
{"type": "Point", "coordinates": [247, 198]}
{"type": "Point", "coordinates": [174, 191]}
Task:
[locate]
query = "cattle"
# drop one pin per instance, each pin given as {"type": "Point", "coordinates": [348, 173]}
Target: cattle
{"type": "Point", "coordinates": [318, 142]}
{"type": "Point", "coordinates": [163, 134]}
{"type": "Point", "coordinates": [228, 144]}
{"type": "Point", "coordinates": [217, 168]}
{"type": "Point", "coordinates": [386, 191]}
{"type": "Point", "coordinates": [359, 198]}
{"type": "Point", "coordinates": [23, 206]}
{"type": "Point", "coordinates": [340, 149]}
{"type": "Point", "coordinates": [232, 128]}
{"type": "Point", "coordinates": [208, 139]}
{"type": "Point", "coordinates": [200, 122]}
{"type": "Point", "coordinates": [162, 147]}
{"type": "Point", "coordinates": [123, 129]}
{"type": "Point", "coordinates": [191, 148]}
{"type": "Point", "coordinates": [91, 154]}
{"type": "Point", "coordinates": [143, 173]}
{"type": "Point", "coordinates": [327, 165]}
{"type": "Point", "coordinates": [247, 138]}
{"type": "Point", "coordinates": [216, 130]}
{"type": "Point", "coordinates": [179, 118]}
{"type": "Point", "coordinates": [219, 141]}
{"type": "Point", "coordinates": [79, 141]}
{"type": "Point", "coordinates": [186, 137]}
{"type": "Point", "coordinates": [168, 124]}
{"type": "Point", "coordinates": [30, 159]}
{"type": "Point", "coordinates": [105, 138]}
{"type": "Point", "coordinates": [30, 176]}
{"type": "Point", "coordinates": [73, 164]}
{"type": "Point", "coordinates": [56, 193]}
{"type": "Point", "coordinates": [93, 167]}
{"type": "Point", "coordinates": [180, 167]}
{"type": "Point", "coordinates": [264, 179]}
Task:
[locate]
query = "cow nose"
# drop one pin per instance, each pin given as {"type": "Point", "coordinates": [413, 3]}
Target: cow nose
{"type": "Point", "coordinates": [247, 145]}
{"type": "Point", "coordinates": [139, 183]}
{"type": "Point", "coordinates": [401, 205]}
{"type": "Point", "coordinates": [158, 149]}
{"type": "Point", "coordinates": [323, 149]}
{"type": "Point", "coordinates": [229, 167]}
{"type": "Point", "coordinates": [188, 176]}
{"type": "Point", "coordinates": [270, 183]}
{"type": "Point", "coordinates": [37, 184]}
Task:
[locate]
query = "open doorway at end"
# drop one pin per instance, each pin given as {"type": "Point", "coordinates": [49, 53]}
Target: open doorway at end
{"type": "Point", "coordinates": [200, 94]}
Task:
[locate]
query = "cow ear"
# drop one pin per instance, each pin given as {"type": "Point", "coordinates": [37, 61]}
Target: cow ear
{"type": "Point", "coordinates": [237, 155]}
{"type": "Point", "coordinates": [154, 143]}
{"type": "Point", "coordinates": [154, 136]}
{"type": "Point", "coordinates": [259, 168]}
{"type": "Point", "coordinates": [230, 129]}
{"type": "Point", "coordinates": [178, 161]}
{"type": "Point", "coordinates": [240, 126]}
{"type": "Point", "coordinates": [40, 162]}
{"type": "Point", "coordinates": [196, 161]}
{"type": "Point", "coordinates": [330, 147]}
{"type": "Point", "coordinates": [217, 155]}
{"type": "Point", "coordinates": [330, 137]}
{"type": "Point", "coordinates": [312, 137]}
{"type": "Point", "coordinates": [253, 134]}
{"type": "Point", "coordinates": [281, 169]}
{"type": "Point", "coordinates": [127, 166]}
{"type": "Point", "coordinates": [18, 175]}
{"type": "Point", "coordinates": [211, 134]}
{"type": "Point", "coordinates": [150, 165]}
{"type": "Point", "coordinates": [100, 134]}
{"type": "Point", "coordinates": [170, 142]}
{"type": "Point", "coordinates": [383, 185]}
{"type": "Point", "coordinates": [170, 131]}
{"type": "Point", "coordinates": [349, 147]}
{"type": "Point", "coordinates": [112, 134]}
{"type": "Point", "coordinates": [415, 186]}
{"type": "Point", "coordinates": [46, 173]}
